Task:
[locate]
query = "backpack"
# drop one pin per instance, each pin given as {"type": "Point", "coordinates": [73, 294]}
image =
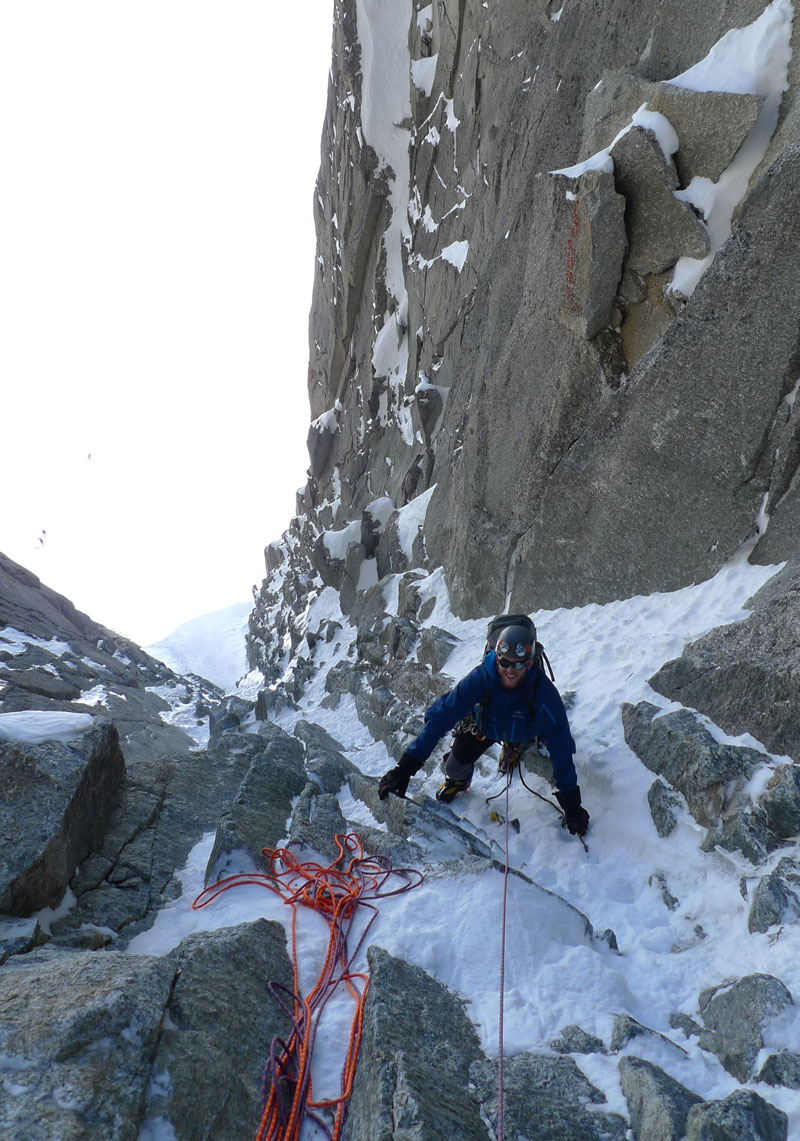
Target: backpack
{"type": "Point", "coordinates": [499, 623]}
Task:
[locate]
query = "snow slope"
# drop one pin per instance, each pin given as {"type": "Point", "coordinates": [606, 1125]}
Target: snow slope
{"type": "Point", "coordinates": [553, 978]}
{"type": "Point", "coordinates": [211, 646]}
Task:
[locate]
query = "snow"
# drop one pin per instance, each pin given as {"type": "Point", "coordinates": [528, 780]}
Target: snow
{"type": "Point", "coordinates": [555, 974]}
{"type": "Point", "coordinates": [33, 726]}
{"type": "Point", "coordinates": [380, 511]}
{"type": "Point", "coordinates": [746, 61]}
{"type": "Point", "coordinates": [337, 542]}
{"type": "Point", "coordinates": [752, 60]}
{"type": "Point", "coordinates": [212, 646]}
{"type": "Point", "coordinates": [423, 73]}
{"type": "Point", "coordinates": [13, 641]}
{"type": "Point", "coordinates": [327, 421]}
{"type": "Point", "coordinates": [386, 103]}
{"type": "Point", "coordinates": [456, 254]}
{"type": "Point", "coordinates": [411, 518]}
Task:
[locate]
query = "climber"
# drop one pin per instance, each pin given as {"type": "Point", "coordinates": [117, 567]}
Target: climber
{"type": "Point", "coordinates": [507, 698]}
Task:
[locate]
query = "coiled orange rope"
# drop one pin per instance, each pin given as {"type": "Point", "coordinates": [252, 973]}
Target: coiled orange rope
{"type": "Point", "coordinates": [337, 893]}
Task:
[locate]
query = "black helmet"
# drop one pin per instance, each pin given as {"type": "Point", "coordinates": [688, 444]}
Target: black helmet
{"type": "Point", "coordinates": [516, 642]}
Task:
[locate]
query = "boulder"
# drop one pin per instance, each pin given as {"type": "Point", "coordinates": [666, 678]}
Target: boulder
{"type": "Point", "coordinates": [325, 761]}
{"type": "Point", "coordinates": [742, 1116]}
{"type": "Point", "coordinates": [663, 806]}
{"type": "Point", "coordinates": [390, 554]}
{"type": "Point", "coordinates": [79, 1031]}
{"type": "Point", "coordinates": [780, 803]}
{"type": "Point", "coordinates": [746, 676]}
{"type": "Point", "coordinates": [575, 1040]}
{"type": "Point", "coordinates": [627, 1028]}
{"type": "Point", "coordinates": [776, 898]}
{"type": "Point", "coordinates": [746, 832]}
{"type": "Point", "coordinates": [659, 226]}
{"type": "Point", "coordinates": [781, 1069]}
{"type": "Point", "coordinates": [595, 250]}
{"type": "Point", "coordinates": [262, 805]}
{"type": "Point", "coordinates": [104, 1045]}
{"type": "Point", "coordinates": [735, 1015]}
{"type": "Point", "coordinates": [228, 715]}
{"type": "Point", "coordinates": [18, 936]}
{"type": "Point", "coordinates": [412, 1078]}
{"type": "Point", "coordinates": [435, 647]}
{"type": "Point", "coordinates": [658, 1104]}
{"type": "Point", "coordinates": [710, 125]}
{"type": "Point", "coordinates": [681, 750]}
{"type": "Point", "coordinates": [546, 1099]}
{"type": "Point", "coordinates": [57, 803]}
{"type": "Point", "coordinates": [221, 1018]}
{"type": "Point", "coordinates": [316, 821]}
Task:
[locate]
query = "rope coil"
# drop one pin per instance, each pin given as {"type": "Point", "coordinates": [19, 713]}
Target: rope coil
{"type": "Point", "coordinates": [338, 893]}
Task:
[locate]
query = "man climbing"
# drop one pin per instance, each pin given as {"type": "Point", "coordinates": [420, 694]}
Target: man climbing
{"type": "Point", "coordinates": [507, 698]}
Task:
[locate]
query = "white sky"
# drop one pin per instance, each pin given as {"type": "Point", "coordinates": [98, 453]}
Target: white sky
{"type": "Point", "coordinates": [156, 261]}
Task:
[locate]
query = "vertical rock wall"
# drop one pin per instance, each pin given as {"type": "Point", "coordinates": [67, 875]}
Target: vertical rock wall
{"type": "Point", "coordinates": [518, 340]}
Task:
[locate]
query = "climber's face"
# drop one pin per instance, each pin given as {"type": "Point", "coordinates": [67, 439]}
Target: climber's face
{"type": "Point", "coordinates": [510, 674]}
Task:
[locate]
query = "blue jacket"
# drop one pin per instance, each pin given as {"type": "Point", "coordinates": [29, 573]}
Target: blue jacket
{"type": "Point", "coordinates": [508, 715]}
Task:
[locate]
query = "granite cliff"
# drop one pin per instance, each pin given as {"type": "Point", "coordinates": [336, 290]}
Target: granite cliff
{"type": "Point", "coordinates": [556, 295]}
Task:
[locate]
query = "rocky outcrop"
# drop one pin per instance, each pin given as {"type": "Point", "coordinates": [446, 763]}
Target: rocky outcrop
{"type": "Point", "coordinates": [547, 1099]}
{"type": "Point", "coordinates": [104, 1045]}
{"type": "Point", "coordinates": [658, 1104]}
{"type": "Point", "coordinates": [58, 799]}
{"type": "Point", "coordinates": [680, 749]}
{"type": "Point", "coordinates": [777, 897]}
{"type": "Point", "coordinates": [53, 658]}
{"type": "Point", "coordinates": [735, 1015]}
{"type": "Point", "coordinates": [742, 1116]}
{"type": "Point", "coordinates": [746, 676]}
{"type": "Point", "coordinates": [417, 1048]}
{"type": "Point", "coordinates": [263, 802]}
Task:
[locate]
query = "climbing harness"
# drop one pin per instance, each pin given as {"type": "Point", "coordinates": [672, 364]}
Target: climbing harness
{"type": "Point", "coordinates": [338, 893]}
{"type": "Point", "coordinates": [510, 756]}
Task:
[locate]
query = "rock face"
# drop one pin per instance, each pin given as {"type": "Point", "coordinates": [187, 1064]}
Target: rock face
{"type": "Point", "coordinates": [680, 749]}
{"type": "Point", "coordinates": [418, 1045]}
{"type": "Point", "coordinates": [735, 1016]}
{"type": "Point", "coordinates": [100, 1045]}
{"type": "Point", "coordinates": [57, 803]}
{"type": "Point", "coordinates": [489, 288]}
{"type": "Point", "coordinates": [64, 661]}
{"type": "Point", "coordinates": [659, 1105]}
{"type": "Point", "coordinates": [746, 676]}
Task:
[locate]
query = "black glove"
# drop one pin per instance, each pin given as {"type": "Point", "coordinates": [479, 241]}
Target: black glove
{"type": "Point", "coordinates": [396, 780]}
{"type": "Point", "coordinates": [576, 817]}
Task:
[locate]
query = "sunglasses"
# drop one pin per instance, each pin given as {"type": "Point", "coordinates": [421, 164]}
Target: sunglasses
{"type": "Point", "coordinates": [508, 664]}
